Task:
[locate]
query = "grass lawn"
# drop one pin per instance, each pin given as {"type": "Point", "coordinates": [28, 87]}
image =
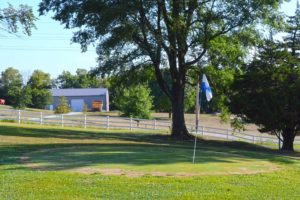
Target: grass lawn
{"type": "Point", "coordinates": [71, 163]}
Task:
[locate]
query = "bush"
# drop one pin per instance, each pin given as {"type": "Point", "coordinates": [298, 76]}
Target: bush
{"type": "Point", "coordinates": [63, 106]}
{"type": "Point", "coordinates": [135, 102]}
{"type": "Point", "coordinates": [85, 108]}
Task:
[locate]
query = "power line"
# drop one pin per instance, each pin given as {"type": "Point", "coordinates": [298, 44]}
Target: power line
{"type": "Point", "coordinates": [43, 49]}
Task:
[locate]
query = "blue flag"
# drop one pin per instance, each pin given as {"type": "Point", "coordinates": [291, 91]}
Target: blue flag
{"type": "Point", "coordinates": [206, 88]}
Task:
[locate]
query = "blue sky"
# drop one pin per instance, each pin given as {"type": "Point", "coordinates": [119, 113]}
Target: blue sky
{"type": "Point", "coordinates": [49, 48]}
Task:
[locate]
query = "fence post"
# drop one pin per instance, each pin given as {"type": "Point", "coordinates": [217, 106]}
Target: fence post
{"type": "Point", "coordinates": [41, 118]}
{"type": "Point", "coordinates": [62, 120]}
{"type": "Point", "coordinates": [130, 123]}
{"type": "Point", "coordinates": [202, 130]}
{"type": "Point", "coordinates": [19, 117]}
{"type": "Point", "coordinates": [253, 139]}
{"type": "Point", "coordinates": [84, 120]}
{"type": "Point", "coordinates": [260, 139]}
{"type": "Point", "coordinates": [155, 124]}
{"type": "Point", "coordinates": [227, 133]}
{"type": "Point", "coordinates": [107, 122]}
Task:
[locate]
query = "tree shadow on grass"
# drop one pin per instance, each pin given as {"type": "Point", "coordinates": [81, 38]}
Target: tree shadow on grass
{"type": "Point", "coordinates": [138, 136]}
{"type": "Point", "coordinates": [72, 156]}
{"type": "Point", "coordinates": [147, 149]}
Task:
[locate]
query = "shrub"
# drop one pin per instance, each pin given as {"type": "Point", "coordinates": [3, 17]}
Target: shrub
{"type": "Point", "coordinates": [63, 106]}
{"type": "Point", "coordinates": [85, 108]}
{"type": "Point", "coordinates": [135, 102]}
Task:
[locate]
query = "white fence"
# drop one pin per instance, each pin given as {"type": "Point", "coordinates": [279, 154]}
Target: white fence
{"type": "Point", "coordinates": [82, 120]}
{"type": "Point", "coordinates": [229, 134]}
{"type": "Point", "coordinates": [107, 122]}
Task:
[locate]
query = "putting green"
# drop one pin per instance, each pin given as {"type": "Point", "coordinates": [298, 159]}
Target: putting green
{"type": "Point", "coordinates": [146, 159]}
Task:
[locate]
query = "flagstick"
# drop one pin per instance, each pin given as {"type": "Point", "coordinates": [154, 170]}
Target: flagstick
{"type": "Point", "coordinates": [208, 93]}
{"type": "Point", "coordinates": [197, 117]}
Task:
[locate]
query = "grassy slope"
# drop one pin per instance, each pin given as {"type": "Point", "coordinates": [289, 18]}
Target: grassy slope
{"type": "Point", "coordinates": [57, 151]}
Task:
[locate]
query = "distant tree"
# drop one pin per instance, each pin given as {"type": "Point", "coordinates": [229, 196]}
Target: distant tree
{"type": "Point", "coordinates": [86, 80]}
{"type": "Point", "coordinates": [11, 18]}
{"type": "Point", "coordinates": [135, 102]}
{"type": "Point", "coordinates": [82, 79]}
{"type": "Point", "coordinates": [63, 106]}
{"type": "Point", "coordinates": [169, 35]}
{"type": "Point", "coordinates": [19, 97]}
{"type": "Point", "coordinates": [39, 84]}
{"type": "Point", "coordinates": [13, 90]}
{"type": "Point", "coordinates": [66, 80]}
{"type": "Point", "coordinates": [10, 78]}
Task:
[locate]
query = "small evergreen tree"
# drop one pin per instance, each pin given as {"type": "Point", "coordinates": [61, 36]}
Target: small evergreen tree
{"type": "Point", "coordinates": [136, 102]}
{"type": "Point", "coordinates": [85, 108]}
{"type": "Point", "coordinates": [63, 106]}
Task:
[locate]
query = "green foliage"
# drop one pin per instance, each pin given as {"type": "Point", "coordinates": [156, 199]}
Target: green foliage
{"type": "Point", "coordinates": [189, 99]}
{"type": "Point", "coordinates": [9, 78]}
{"type": "Point", "coordinates": [63, 106]}
{"type": "Point", "coordinates": [85, 108]}
{"type": "Point", "coordinates": [267, 94]}
{"type": "Point", "coordinates": [292, 40]}
{"type": "Point", "coordinates": [168, 35]}
{"type": "Point", "coordinates": [135, 102]}
{"type": "Point", "coordinates": [11, 18]}
{"type": "Point", "coordinates": [220, 79]}
{"type": "Point", "coordinates": [237, 124]}
{"type": "Point", "coordinates": [9, 120]}
{"type": "Point", "coordinates": [12, 89]}
{"type": "Point", "coordinates": [39, 84]}
{"type": "Point", "coordinates": [82, 79]}
{"type": "Point", "coordinates": [143, 76]}
{"type": "Point", "coordinates": [19, 97]}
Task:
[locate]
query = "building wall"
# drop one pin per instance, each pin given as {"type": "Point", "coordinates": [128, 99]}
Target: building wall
{"type": "Point", "coordinates": [88, 100]}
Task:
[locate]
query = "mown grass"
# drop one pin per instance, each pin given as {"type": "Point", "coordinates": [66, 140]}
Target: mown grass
{"type": "Point", "coordinates": [55, 163]}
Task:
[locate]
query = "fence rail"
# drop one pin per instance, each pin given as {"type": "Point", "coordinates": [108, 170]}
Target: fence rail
{"type": "Point", "coordinates": [109, 122]}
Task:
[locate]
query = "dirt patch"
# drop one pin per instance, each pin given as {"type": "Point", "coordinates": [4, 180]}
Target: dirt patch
{"type": "Point", "coordinates": [129, 173]}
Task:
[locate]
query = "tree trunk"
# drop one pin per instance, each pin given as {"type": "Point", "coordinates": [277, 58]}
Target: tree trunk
{"type": "Point", "coordinates": [179, 129]}
{"type": "Point", "coordinates": [288, 139]}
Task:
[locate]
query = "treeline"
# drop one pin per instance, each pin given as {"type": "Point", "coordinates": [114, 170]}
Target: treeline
{"type": "Point", "coordinates": [34, 93]}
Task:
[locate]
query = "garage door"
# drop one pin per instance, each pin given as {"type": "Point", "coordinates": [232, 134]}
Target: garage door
{"type": "Point", "coordinates": [77, 105]}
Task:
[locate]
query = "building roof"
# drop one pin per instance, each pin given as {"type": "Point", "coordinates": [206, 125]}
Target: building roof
{"type": "Point", "coordinates": [79, 92]}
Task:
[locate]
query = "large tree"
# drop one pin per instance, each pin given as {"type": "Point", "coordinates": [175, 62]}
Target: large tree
{"type": "Point", "coordinates": [12, 18]}
{"type": "Point", "coordinates": [267, 94]}
{"type": "Point", "coordinates": [168, 34]}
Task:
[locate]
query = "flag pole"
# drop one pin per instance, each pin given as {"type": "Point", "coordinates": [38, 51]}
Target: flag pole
{"type": "Point", "coordinates": [197, 109]}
